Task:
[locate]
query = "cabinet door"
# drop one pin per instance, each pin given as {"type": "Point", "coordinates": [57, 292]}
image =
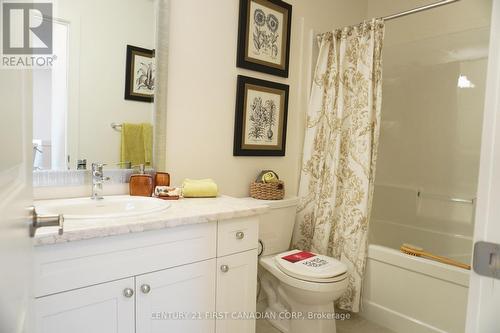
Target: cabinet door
{"type": "Point", "coordinates": [177, 300]}
{"type": "Point", "coordinates": [102, 308]}
{"type": "Point", "coordinates": [236, 291]}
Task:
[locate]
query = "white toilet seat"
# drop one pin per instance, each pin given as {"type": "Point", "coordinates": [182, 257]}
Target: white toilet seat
{"type": "Point", "coordinates": [325, 285]}
{"type": "Point", "coordinates": [311, 267]}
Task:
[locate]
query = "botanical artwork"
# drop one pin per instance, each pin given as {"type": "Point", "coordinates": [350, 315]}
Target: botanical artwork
{"type": "Point", "coordinates": [264, 36]}
{"type": "Point", "coordinates": [140, 74]}
{"type": "Point", "coordinates": [262, 118]}
{"type": "Point", "coordinates": [267, 37]}
{"type": "Point", "coordinates": [340, 151]}
{"type": "Point", "coordinates": [144, 72]}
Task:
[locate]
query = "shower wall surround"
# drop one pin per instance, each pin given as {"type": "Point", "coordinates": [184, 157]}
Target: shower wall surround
{"type": "Point", "coordinates": [434, 84]}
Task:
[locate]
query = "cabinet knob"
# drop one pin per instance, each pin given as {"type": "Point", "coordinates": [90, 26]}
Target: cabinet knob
{"type": "Point", "coordinates": [224, 268]}
{"type": "Point", "coordinates": [145, 288]}
{"type": "Point", "coordinates": [240, 235]}
{"type": "Point", "coordinates": [128, 292]}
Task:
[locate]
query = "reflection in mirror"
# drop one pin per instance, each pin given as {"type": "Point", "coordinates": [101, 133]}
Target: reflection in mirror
{"type": "Point", "coordinates": [76, 102]}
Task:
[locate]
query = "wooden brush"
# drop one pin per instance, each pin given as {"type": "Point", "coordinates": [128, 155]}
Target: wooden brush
{"type": "Point", "coordinates": [419, 252]}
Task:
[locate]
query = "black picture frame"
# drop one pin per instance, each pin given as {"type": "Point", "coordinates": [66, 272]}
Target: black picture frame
{"type": "Point", "coordinates": [248, 61]}
{"type": "Point", "coordinates": [247, 129]}
{"type": "Point", "coordinates": [131, 75]}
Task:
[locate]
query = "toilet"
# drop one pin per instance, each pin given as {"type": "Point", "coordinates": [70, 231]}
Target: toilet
{"type": "Point", "coordinates": [300, 286]}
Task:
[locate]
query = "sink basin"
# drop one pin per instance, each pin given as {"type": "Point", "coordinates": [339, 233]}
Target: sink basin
{"type": "Point", "coordinates": [109, 207]}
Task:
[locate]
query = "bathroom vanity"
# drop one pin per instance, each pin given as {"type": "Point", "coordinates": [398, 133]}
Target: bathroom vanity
{"type": "Point", "coordinates": [189, 268]}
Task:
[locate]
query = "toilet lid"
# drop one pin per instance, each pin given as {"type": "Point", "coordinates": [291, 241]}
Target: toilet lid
{"type": "Point", "coordinates": [311, 266]}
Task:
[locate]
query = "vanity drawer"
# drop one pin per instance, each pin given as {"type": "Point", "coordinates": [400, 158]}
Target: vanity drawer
{"type": "Point", "coordinates": [237, 235]}
{"type": "Point", "coordinates": [63, 267]}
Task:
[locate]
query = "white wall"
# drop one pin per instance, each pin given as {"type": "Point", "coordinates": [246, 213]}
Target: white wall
{"type": "Point", "coordinates": [42, 104]}
{"type": "Point", "coordinates": [99, 34]}
{"type": "Point", "coordinates": [202, 89]}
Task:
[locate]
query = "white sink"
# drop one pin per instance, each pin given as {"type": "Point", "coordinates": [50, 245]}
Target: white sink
{"type": "Point", "coordinates": [109, 207]}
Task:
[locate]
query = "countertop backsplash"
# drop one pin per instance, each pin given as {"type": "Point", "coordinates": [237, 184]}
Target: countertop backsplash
{"type": "Point", "coordinates": [54, 184]}
{"type": "Point", "coordinates": [50, 178]}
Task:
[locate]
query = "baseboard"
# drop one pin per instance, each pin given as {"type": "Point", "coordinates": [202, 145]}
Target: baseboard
{"type": "Point", "coordinates": [394, 320]}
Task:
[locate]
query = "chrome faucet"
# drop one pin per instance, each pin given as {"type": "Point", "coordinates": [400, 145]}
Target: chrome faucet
{"type": "Point", "coordinates": [97, 180]}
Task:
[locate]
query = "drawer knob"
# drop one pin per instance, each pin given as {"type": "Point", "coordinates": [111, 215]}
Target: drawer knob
{"type": "Point", "coordinates": [128, 292]}
{"type": "Point", "coordinates": [240, 235]}
{"type": "Point", "coordinates": [145, 288]}
{"type": "Point", "coordinates": [224, 268]}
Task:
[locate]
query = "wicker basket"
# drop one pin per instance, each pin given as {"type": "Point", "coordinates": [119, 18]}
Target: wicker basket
{"type": "Point", "coordinates": [267, 191]}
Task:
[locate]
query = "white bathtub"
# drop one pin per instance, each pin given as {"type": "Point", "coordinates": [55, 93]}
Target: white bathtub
{"type": "Point", "coordinates": [410, 294]}
{"type": "Point", "coordinates": [413, 295]}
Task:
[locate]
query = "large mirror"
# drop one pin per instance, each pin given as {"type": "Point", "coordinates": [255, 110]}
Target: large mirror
{"type": "Point", "coordinates": [102, 80]}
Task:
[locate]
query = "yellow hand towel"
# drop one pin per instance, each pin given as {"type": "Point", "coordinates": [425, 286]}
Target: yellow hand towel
{"type": "Point", "coordinates": [147, 133]}
{"type": "Point", "coordinates": [137, 144]}
{"type": "Point", "coordinates": [199, 188]}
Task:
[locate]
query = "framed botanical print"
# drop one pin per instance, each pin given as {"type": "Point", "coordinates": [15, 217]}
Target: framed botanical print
{"type": "Point", "coordinates": [140, 74]}
{"type": "Point", "coordinates": [264, 36]}
{"type": "Point", "coordinates": [261, 116]}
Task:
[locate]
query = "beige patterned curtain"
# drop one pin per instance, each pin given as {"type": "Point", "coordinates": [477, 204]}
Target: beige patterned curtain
{"type": "Point", "coordinates": [340, 150]}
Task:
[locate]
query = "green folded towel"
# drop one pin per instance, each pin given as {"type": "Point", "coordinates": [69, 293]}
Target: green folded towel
{"type": "Point", "coordinates": [199, 188]}
{"type": "Point", "coordinates": [137, 144]}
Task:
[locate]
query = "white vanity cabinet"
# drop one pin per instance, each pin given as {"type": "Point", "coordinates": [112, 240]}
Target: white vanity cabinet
{"type": "Point", "coordinates": [173, 300]}
{"type": "Point", "coordinates": [236, 275]}
{"type": "Point", "coordinates": [102, 308]}
{"type": "Point", "coordinates": [236, 290]}
{"type": "Point", "coordinates": [186, 279]}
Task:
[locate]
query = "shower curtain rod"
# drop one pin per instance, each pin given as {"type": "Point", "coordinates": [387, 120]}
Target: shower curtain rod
{"type": "Point", "coordinates": [419, 9]}
{"type": "Point", "coordinates": [415, 10]}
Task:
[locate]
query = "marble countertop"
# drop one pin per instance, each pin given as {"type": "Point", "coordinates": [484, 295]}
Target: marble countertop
{"type": "Point", "coordinates": [181, 212]}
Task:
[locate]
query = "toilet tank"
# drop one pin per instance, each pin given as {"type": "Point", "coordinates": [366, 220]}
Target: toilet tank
{"type": "Point", "coordinates": [276, 225]}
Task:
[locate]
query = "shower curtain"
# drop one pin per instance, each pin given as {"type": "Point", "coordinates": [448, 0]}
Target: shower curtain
{"type": "Point", "coordinates": [340, 150]}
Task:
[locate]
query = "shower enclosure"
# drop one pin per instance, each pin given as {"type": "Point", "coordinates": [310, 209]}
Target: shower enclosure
{"type": "Point", "coordinates": [435, 67]}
